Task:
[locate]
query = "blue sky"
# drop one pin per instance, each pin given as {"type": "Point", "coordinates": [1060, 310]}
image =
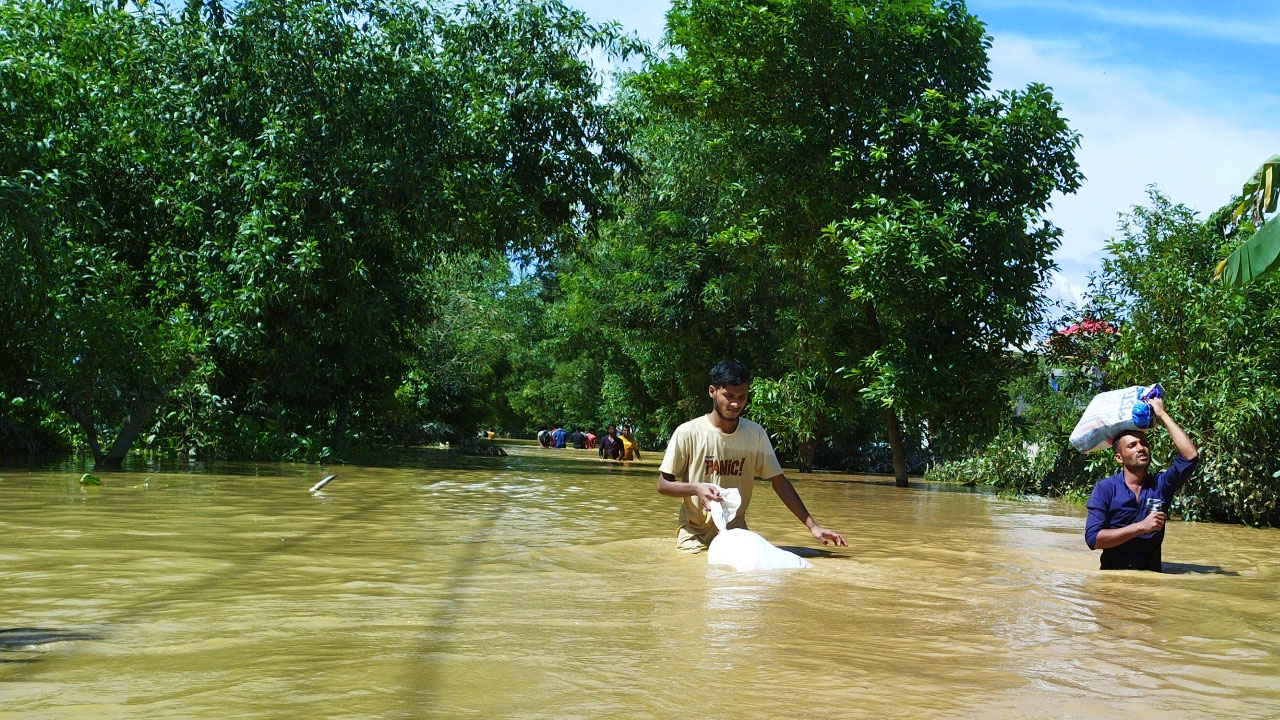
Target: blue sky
{"type": "Point", "coordinates": [1183, 95]}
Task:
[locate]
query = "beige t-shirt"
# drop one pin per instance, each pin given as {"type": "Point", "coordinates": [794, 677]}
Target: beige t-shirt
{"type": "Point", "coordinates": [700, 452]}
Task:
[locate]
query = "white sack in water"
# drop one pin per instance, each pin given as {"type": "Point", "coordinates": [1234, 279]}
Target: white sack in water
{"type": "Point", "coordinates": [741, 548]}
{"type": "Point", "coordinates": [745, 550]}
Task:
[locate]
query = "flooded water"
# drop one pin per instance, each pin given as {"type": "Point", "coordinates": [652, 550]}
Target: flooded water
{"type": "Point", "coordinates": [545, 585]}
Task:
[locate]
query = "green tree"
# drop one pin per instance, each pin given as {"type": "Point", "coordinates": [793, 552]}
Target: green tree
{"type": "Point", "coordinates": [795, 410]}
{"type": "Point", "coordinates": [236, 213]}
{"type": "Point", "coordinates": [1260, 251]}
{"type": "Point", "coordinates": [829, 187]}
{"type": "Point", "coordinates": [1210, 345]}
{"type": "Point", "coordinates": [83, 143]}
{"type": "Point", "coordinates": [454, 374]}
{"type": "Point", "coordinates": [1207, 343]}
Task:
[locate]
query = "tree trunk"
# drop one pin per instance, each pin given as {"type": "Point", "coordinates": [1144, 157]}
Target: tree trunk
{"type": "Point", "coordinates": [108, 463]}
{"type": "Point", "coordinates": [897, 447]}
{"type": "Point", "coordinates": [139, 420]}
{"type": "Point", "coordinates": [339, 426]}
{"type": "Point", "coordinates": [805, 453]}
{"type": "Point", "coordinates": [85, 419]}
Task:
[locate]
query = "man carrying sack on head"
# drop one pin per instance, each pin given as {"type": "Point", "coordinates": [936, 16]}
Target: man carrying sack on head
{"type": "Point", "coordinates": [1127, 511]}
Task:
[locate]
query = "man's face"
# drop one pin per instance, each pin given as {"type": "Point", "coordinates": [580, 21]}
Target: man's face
{"type": "Point", "coordinates": [729, 400]}
{"type": "Point", "coordinates": [1133, 452]}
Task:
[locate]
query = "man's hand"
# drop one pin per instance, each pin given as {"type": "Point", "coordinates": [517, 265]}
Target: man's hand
{"type": "Point", "coordinates": [1157, 409]}
{"type": "Point", "coordinates": [1152, 523]}
{"type": "Point", "coordinates": [828, 536]}
{"type": "Point", "coordinates": [707, 492]}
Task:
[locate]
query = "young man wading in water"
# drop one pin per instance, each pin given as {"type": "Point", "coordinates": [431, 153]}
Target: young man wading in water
{"type": "Point", "coordinates": [721, 450]}
{"type": "Point", "coordinates": [1127, 511]}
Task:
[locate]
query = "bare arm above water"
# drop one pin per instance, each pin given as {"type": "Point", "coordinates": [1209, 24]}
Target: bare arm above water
{"type": "Point", "coordinates": [668, 485]}
{"type": "Point", "coordinates": [789, 497]}
{"type": "Point", "coordinates": [1185, 447]}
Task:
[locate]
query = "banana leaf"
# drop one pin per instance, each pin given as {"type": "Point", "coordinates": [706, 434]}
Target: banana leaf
{"type": "Point", "coordinates": [1261, 252]}
{"type": "Point", "coordinates": [1255, 256]}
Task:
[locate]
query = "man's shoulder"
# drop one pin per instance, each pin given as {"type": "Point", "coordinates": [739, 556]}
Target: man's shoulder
{"type": "Point", "coordinates": [1110, 479]}
{"type": "Point", "coordinates": [1108, 484]}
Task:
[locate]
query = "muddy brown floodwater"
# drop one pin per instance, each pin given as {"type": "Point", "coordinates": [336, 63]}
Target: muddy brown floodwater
{"type": "Point", "coordinates": [545, 585]}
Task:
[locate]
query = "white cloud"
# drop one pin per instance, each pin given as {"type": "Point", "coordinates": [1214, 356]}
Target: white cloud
{"type": "Point", "coordinates": [1064, 290]}
{"type": "Point", "coordinates": [1193, 137]}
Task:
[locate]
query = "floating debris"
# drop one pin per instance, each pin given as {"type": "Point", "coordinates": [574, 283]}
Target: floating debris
{"type": "Point", "coordinates": [322, 483]}
{"type": "Point", "coordinates": [12, 638]}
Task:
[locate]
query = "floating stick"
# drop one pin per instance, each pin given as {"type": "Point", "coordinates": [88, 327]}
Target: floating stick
{"type": "Point", "coordinates": [322, 483]}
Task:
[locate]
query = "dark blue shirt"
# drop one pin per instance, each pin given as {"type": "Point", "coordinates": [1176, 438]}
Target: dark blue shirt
{"type": "Point", "coordinates": [559, 436]}
{"type": "Point", "coordinates": [611, 447]}
{"type": "Point", "coordinates": [1112, 505]}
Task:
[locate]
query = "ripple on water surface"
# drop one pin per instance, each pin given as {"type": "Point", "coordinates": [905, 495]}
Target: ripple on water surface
{"type": "Point", "coordinates": [545, 584]}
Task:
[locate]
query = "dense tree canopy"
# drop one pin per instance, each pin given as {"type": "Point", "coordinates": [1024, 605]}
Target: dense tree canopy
{"type": "Point", "coordinates": [829, 187]}
{"type": "Point", "coordinates": [241, 211]}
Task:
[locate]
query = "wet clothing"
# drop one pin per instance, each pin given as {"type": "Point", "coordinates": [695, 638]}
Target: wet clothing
{"type": "Point", "coordinates": [700, 452]}
{"type": "Point", "coordinates": [1112, 505]}
{"type": "Point", "coordinates": [628, 447]}
{"type": "Point", "coordinates": [610, 448]}
{"type": "Point", "coordinates": [544, 438]}
{"type": "Point", "coordinates": [591, 441]}
{"type": "Point", "coordinates": [578, 439]}
{"type": "Point", "coordinates": [557, 437]}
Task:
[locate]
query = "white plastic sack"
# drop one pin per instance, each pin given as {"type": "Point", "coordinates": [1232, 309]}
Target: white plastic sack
{"type": "Point", "coordinates": [745, 550]}
{"type": "Point", "coordinates": [741, 548]}
{"type": "Point", "coordinates": [1111, 413]}
{"type": "Point", "coordinates": [723, 512]}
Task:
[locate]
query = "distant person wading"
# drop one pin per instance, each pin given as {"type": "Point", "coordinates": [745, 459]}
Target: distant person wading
{"type": "Point", "coordinates": [611, 445]}
{"type": "Point", "coordinates": [630, 448]}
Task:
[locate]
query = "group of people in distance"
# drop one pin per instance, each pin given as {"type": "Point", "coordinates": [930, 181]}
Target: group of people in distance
{"type": "Point", "coordinates": [1126, 512]}
{"type": "Point", "coordinates": [617, 443]}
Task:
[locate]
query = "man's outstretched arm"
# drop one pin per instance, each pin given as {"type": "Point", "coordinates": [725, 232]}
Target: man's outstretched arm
{"type": "Point", "coordinates": [789, 497]}
{"type": "Point", "coordinates": [668, 485]}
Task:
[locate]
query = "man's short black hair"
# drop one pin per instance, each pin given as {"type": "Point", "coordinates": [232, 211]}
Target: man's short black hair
{"type": "Point", "coordinates": [729, 372]}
